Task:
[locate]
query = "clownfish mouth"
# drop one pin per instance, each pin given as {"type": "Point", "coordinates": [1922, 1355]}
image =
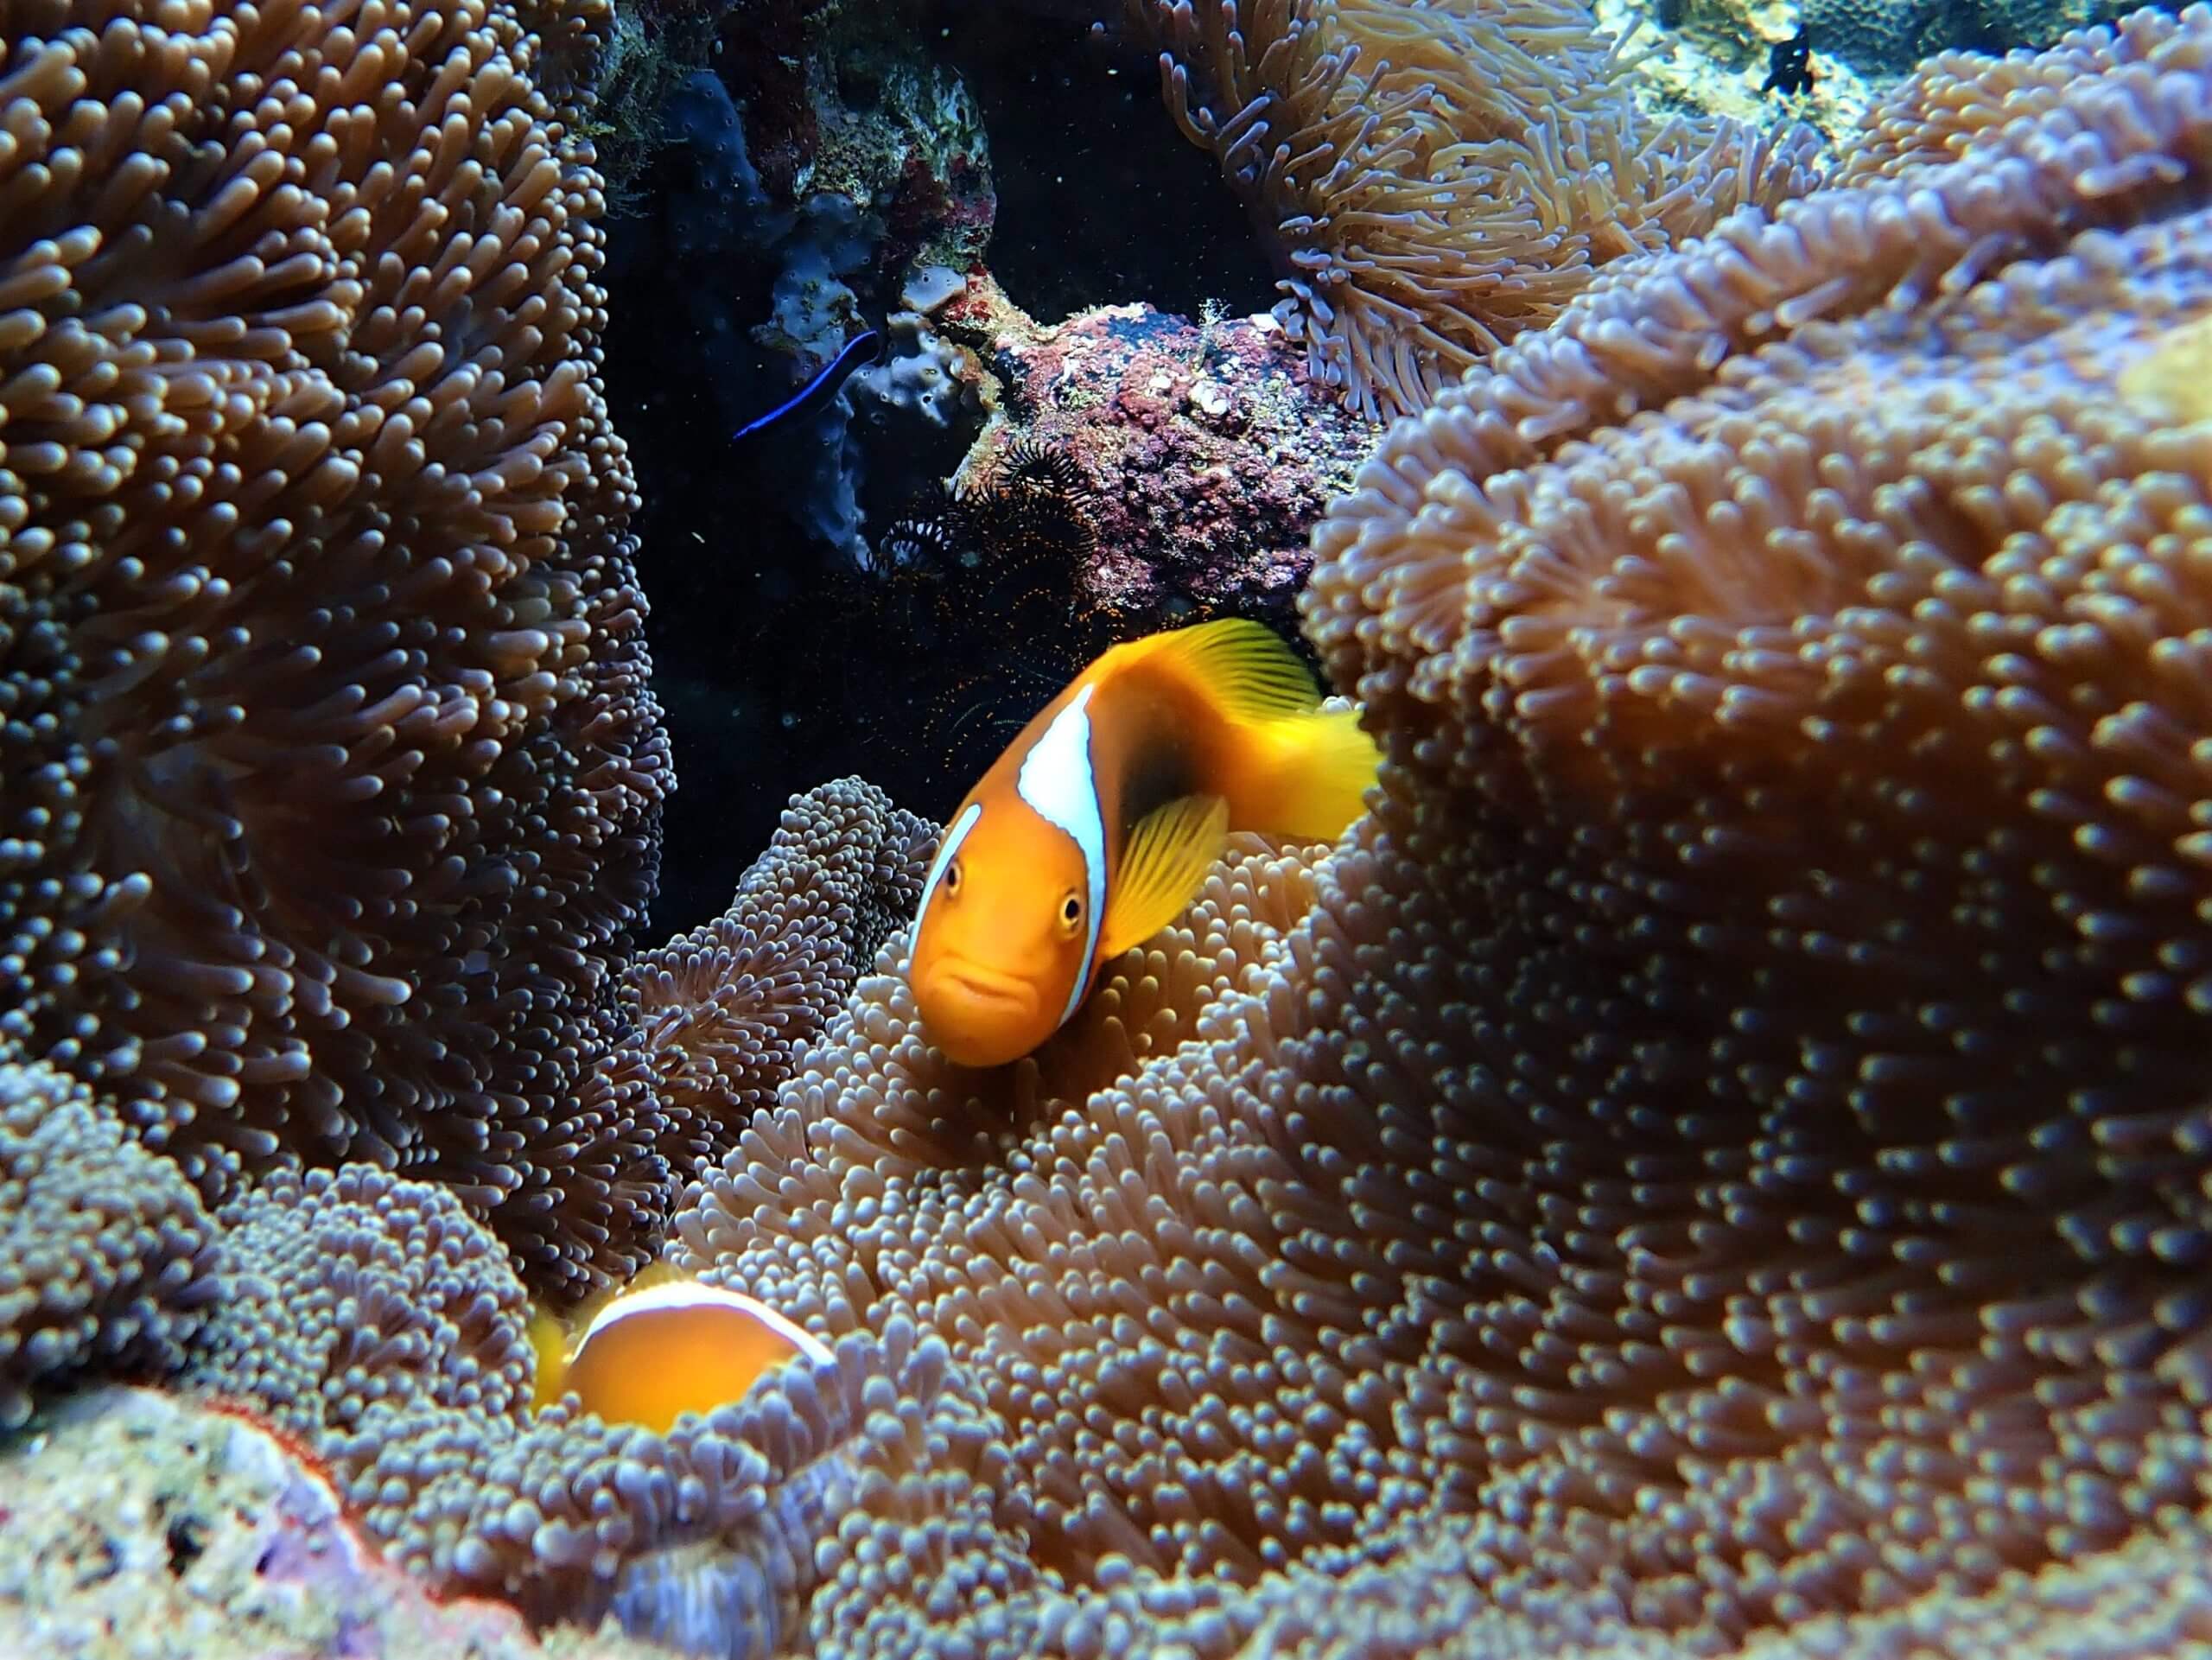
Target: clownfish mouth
{"type": "Point", "coordinates": [1000, 993]}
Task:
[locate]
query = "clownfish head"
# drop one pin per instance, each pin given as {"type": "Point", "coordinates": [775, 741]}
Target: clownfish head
{"type": "Point", "coordinates": [1008, 926]}
{"type": "Point", "coordinates": [1008, 929]}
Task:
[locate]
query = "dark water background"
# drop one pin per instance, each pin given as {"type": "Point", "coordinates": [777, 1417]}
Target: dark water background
{"type": "Point", "coordinates": [1100, 202]}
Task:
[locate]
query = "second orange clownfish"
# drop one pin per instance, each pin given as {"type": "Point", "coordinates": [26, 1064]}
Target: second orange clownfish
{"type": "Point", "coordinates": [662, 1345]}
{"type": "Point", "coordinates": [1096, 827]}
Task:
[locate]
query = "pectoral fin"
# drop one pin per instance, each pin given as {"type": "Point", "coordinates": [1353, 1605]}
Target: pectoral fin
{"type": "Point", "coordinates": [1167, 856]}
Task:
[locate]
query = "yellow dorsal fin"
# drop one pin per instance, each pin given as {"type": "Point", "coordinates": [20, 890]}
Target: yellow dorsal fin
{"type": "Point", "coordinates": [1250, 672]}
{"type": "Point", "coordinates": [1168, 854]}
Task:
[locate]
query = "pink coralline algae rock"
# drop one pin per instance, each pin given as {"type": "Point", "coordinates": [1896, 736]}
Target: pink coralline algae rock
{"type": "Point", "coordinates": [209, 1536]}
{"type": "Point", "coordinates": [1212, 450]}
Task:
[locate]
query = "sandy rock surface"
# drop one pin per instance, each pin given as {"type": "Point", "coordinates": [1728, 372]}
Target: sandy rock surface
{"type": "Point", "coordinates": [135, 1524]}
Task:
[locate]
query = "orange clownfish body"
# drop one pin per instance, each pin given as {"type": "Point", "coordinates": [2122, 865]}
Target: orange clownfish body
{"type": "Point", "coordinates": [1098, 823]}
{"type": "Point", "coordinates": [662, 1346]}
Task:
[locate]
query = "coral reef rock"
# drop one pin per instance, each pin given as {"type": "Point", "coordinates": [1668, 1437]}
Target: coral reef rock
{"type": "Point", "coordinates": [328, 767]}
{"type": "Point", "coordinates": [1888, 38]}
{"type": "Point", "coordinates": [135, 1524]}
{"type": "Point", "coordinates": [820, 165]}
{"type": "Point", "coordinates": [1209, 448]}
{"type": "Point", "coordinates": [1717, 57]}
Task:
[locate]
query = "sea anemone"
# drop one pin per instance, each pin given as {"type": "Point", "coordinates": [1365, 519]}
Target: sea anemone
{"type": "Point", "coordinates": [107, 1260]}
{"type": "Point", "coordinates": [1435, 179]}
{"type": "Point", "coordinates": [727, 1009]}
{"type": "Point", "coordinates": [328, 766]}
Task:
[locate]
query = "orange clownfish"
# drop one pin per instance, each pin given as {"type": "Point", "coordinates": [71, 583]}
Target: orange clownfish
{"type": "Point", "coordinates": [662, 1346]}
{"type": "Point", "coordinates": [1093, 830]}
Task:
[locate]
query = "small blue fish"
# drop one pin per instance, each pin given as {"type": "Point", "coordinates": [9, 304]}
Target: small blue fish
{"type": "Point", "coordinates": [818, 392]}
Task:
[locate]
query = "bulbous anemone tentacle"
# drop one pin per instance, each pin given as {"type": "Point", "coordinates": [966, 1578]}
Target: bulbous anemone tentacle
{"type": "Point", "coordinates": [329, 768]}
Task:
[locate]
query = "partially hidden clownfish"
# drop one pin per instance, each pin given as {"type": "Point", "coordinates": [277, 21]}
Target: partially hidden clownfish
{"type": "Point", "coordinates": [1099, 823]}
{"type": "Point", "coordinates": [664, 1346]}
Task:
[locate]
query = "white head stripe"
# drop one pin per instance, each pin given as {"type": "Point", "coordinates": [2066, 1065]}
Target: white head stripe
{"type": "Point", "coordinates": [1057, 781]}
{"type": "Point", "coordinates": [943, 863]}
{"type": "Point", "coordinates": [679, 1294]}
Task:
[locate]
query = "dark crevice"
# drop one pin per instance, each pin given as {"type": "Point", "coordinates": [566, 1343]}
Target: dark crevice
{"type": "Point", "coordinates": [1099, 201]}
{"type": "Point", "coordinates": [1102, 201]}
{"type": "Point", "coordinates": [186, 1537]}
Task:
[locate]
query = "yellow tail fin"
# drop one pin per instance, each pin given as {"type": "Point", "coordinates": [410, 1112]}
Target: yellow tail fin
{"type": "Point", "coordinates": [1324, 765]}
{"type": "Point", "coordinates": [1296, 770]}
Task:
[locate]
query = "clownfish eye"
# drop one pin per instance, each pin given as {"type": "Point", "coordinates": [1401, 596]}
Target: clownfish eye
{"type": "Point", "coordinates": [952, 877]}
{"type": "Point", "coordinates": [1070, 911]}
